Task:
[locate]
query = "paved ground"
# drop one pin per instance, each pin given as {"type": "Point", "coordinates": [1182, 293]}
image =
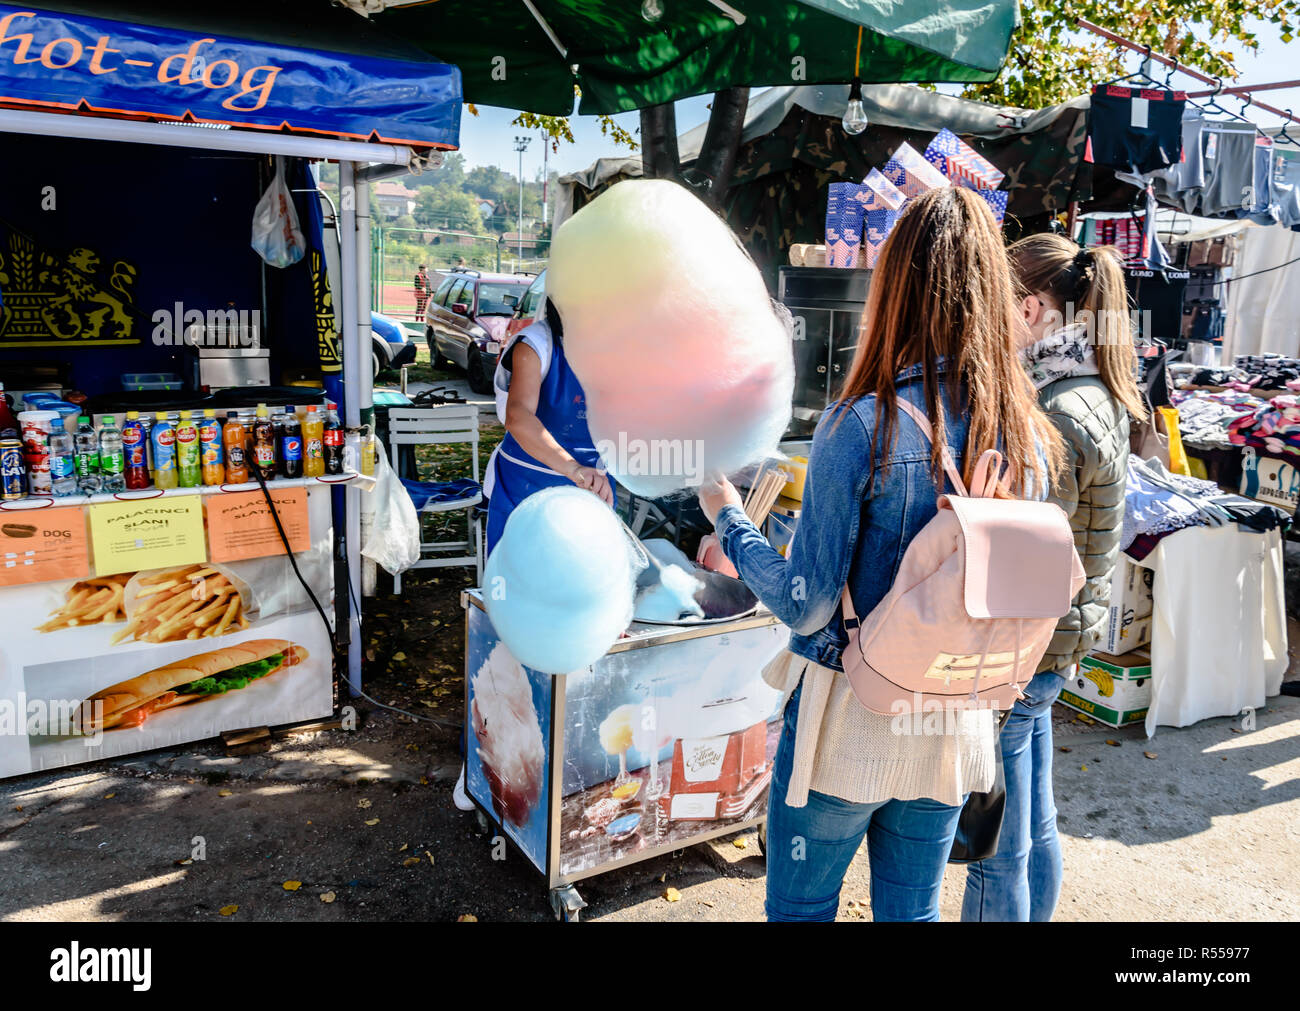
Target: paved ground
{"type": "Point", "coordinates": [1208, 829]}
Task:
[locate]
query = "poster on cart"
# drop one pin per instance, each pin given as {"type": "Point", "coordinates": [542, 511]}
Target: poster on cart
{"type": "Point", "coordinates": [667, 743]}
{"type": "Point", "coordinates": [657, 746]}
{"type": "Point", "coordinates": [128, 661]}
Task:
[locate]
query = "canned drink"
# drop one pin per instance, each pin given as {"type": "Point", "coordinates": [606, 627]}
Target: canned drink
{"type": "Point", "coordinates": [12, 475]}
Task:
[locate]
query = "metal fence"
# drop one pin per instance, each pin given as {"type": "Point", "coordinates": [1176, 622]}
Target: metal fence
{"type": "Point", "coordinates": [397, 254]}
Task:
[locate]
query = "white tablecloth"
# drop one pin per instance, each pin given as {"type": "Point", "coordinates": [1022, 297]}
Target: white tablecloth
{"type": "Point", "coordinates": [1218, 636]}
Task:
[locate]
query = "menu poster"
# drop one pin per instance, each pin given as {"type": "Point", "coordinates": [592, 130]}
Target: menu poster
{"type": "Point", "coordinates": [147, 534]}
{"type": "Point", "coordinates": [38, 545]}
{"type": "Point", "coordinates": [240, 524]}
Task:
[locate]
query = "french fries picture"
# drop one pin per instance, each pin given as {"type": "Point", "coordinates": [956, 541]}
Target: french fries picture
{"type": "Point", "coordinates": [192, 602]}
{"type": "Point", "coordinates": [90, 601]}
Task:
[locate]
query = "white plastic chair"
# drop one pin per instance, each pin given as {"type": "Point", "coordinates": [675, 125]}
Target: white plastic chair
{"type": "Point", "coordinates": [423, 426]}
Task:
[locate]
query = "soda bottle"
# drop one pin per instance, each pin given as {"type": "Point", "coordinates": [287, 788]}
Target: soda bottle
{"type": "Point", "coordinates": [87, 461]}
{"type": "Point", "coordinates": [333, 439]}
{"type": "Point", "coordinates": [135, 438]}
{"type": "Point", "coordinates": [210, 448]}
{"type": "Point", "coordinates": [63, 468]}
{"type": "Point", "coordinates": [290, 445]}
{"type": "Point", "coordinates": [313, 442]}
{"type": "Point", "coordinates": [187, 452]}
{"type": "Point", "coordinates": [163, 437]}
{"type": "Point", "coordinates": [235, 436]}
{"type": "Point", "coordinates": [8, 422]}
{"type": "Point", "coordinates": [111, 463]}
{"type": "Point", "coordinates": [264, 443]}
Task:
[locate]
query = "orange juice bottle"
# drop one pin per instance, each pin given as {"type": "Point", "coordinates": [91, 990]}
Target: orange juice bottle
{"type": "Point", "coordinates": [235, 436]}
{"type": "Point", "coordinates": [313, 437]}
{"type": "Point", "coordinates": [211, 451]}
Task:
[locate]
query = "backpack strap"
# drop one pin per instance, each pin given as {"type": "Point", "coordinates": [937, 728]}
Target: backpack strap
{"type": "Point", "coordinates": [846, 610]}
{"type": "Point", "coordinates": [945, 454]}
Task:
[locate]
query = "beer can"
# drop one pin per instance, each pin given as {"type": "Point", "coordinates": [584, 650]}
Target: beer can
{"type": "Point", "coordinates": [12, 476]}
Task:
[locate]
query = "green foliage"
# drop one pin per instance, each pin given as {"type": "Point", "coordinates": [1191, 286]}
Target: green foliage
{"type": "Point", "coordinates": [1051, 60]}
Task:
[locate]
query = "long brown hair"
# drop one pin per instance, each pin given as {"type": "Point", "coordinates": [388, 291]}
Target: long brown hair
{"type": "Point", "coordinates": [1088, 285]}
{"type": "Point", "coordinates": [942, 288]}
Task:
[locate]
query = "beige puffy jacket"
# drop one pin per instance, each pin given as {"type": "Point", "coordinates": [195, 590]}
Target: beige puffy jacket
{"type": "Point", "coordinates": [1091, 491]}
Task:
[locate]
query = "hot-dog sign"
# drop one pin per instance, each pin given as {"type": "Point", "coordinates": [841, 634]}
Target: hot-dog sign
{"type": "Point", "coordinates": [37, 545]}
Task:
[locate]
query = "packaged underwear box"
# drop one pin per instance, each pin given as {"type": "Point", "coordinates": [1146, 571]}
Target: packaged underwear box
{"type": "Point", "coordinates": [1114, 690]}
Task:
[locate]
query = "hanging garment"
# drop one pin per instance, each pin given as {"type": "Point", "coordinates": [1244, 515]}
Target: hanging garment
{"type": "Point", "coordinates": [1135, 130]}
{"type": "Point", "coordinates": [1218, 635]}
{"type": "Point", "coordinates": [1228, 154]}
{"type": "Point", "coordinates": [1180, 184]}
{"type": "Point", "coordinates": [1286, 186]}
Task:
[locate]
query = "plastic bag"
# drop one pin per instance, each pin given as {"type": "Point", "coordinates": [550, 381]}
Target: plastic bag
{"type": "Point", "coordinates": [394, 540]}
{"type": "Point", "coordinates": [276, 235]}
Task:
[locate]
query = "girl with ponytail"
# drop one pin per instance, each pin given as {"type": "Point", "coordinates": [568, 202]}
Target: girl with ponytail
{"type": "Point", "coordinates": [1077, 346]}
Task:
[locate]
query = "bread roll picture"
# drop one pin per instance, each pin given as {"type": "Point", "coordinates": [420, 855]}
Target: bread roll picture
{"type": "Point", "coordinates": [194, 679]}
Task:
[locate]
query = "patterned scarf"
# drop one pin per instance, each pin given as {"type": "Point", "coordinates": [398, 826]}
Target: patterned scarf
{"type": "Point", "coordinates": [1063, 352]}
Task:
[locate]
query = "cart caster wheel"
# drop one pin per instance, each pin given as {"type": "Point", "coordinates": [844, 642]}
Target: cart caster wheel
{"type": "Point", "coordinates": [567, 904]}
{"type": "Point", "coordinates": [762, 838]}
{"type": "Point", "coordinates": [480, 819]}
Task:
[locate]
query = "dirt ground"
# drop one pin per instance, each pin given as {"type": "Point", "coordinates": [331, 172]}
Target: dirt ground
{"type": "Point", "coordinates": [1207, 829]}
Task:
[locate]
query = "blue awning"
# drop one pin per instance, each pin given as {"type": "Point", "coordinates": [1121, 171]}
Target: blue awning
{"type": "Point", "coordinates": [80, 64]}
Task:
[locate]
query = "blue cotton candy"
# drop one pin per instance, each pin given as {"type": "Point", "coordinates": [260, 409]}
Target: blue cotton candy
{"type": "Point", "coordinates": [559, 584]}
{"type": "Point", "coordinates": [672, 598]}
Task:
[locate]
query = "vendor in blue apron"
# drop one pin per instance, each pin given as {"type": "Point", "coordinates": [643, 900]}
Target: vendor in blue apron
{"type": "Point", "coordinates": [547, 443]}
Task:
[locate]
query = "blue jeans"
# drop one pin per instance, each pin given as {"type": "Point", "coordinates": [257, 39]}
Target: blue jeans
{"type": "Point", "coordinates": [809, 848]}
{"type": "Point", "coordinates": [1022, 881]}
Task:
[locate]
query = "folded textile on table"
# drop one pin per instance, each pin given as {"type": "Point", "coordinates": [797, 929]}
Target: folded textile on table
{"type": "Point", "coordinates": [1204, 418]}
{"type": "Point", "coordinates": [1274, 426]}
{"type": "Point", "coordinates": [1156, 501]}
{"type": "Point", "coordinates": [424, 492]}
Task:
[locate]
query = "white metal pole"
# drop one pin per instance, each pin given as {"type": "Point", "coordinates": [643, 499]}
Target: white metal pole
{"type": "Point", "coordinates": [352, 367]}
{"type": "Point", "coordinates": [369, 571]}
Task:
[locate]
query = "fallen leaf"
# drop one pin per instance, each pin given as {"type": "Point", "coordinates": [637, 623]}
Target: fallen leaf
{"type": "Point", "coordinates": [1112, 742]}
{"type": "Point", "coordinates": [225, 793]}
{"type": "Point", "coordinates": [363, 803]}
{"type": "Point", "coordinates": [703, 903]}
{"type": "Point", "coordinates": [403, 848]}
{"type": "Point", "coordinates": [1235, 730]}
{"type": "Point", "coordinates": [183, 863]}
{"type": "Point", "coordinates": [1225, 758]}
{"type": "Point", "coordinates": [1066, 750]}
{"type": "Point", "coordinates": [372, 822]}
{"type": "Point", "coordinates": [410, 861]}
{"type": "Point", "coordinates": [399, 656]}
{"type": "Point", "coordinates": [1149, 754]}
{"type": "Point", "coordinates": [1083, 768]}
{"type": "Point", "coordinates": [292, 886]}
{"type": "Point", "coordinates": [430, 856]}
{"type": "Point", "coordinates": [467, 918]}
{"type": "Point", "coordinates": [18, 807]}
{"type": "Point", "coordinates": [672, 894]}
{"type": "Point", "coordinates": [109, 796]}
{"type": "Point", "coordinates": [327, 896]}
{"type": "Point", "coordinates": [424, 780]}
{"type": "Point", "coordinates": [370, 655]}
{"type": "Point", "coordinates": [740, 843]}
{"type": "Point", "coordinates": [228, 910]}
{"type": "Point", "coordinates": [412, 747]}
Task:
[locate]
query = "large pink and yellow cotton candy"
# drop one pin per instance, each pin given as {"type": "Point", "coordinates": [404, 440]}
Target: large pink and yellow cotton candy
{"type": "Point", "coordinates": [685, 364]}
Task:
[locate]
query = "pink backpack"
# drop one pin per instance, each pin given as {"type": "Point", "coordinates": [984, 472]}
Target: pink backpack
{"type": "Point", "coordinates": [975, 602]}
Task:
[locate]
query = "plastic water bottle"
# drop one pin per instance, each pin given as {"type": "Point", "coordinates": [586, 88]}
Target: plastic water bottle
{"type": "Point", "coordinates": [111, 462]}
{"type": "Point", "coordinates": [87, 462]}
{"type": "Point", "coordinates": [63, 468]}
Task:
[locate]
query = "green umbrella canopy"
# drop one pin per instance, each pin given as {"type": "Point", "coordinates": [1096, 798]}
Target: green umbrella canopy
{"type": "Point", "coordinates": [520, 54]}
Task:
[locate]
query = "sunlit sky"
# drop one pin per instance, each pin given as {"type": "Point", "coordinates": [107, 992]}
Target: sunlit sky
{"type": "Point", "coordinates": [488, 139]}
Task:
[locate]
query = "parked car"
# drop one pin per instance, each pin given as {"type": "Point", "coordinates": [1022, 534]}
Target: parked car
{"type": "Point", "coordinates": [391, 345]}
{"type": "Point", "coordinates": [465, 321]}
{"type": "Point", "coordinates": [529, 306]}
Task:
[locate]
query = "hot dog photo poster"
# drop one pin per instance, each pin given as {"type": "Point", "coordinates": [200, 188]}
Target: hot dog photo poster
{"type": "Point", "coordinates": [100, 665]}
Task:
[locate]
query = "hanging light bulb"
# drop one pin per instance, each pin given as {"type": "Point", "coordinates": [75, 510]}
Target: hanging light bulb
{"type": "Point", "coordinates": [652, 10]}
{"type": "Point", "coordinates": [855, 114]}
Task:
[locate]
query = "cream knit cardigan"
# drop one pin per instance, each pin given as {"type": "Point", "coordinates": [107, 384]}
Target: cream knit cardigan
{"type": "Point", "coordinates": [845, 750]}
